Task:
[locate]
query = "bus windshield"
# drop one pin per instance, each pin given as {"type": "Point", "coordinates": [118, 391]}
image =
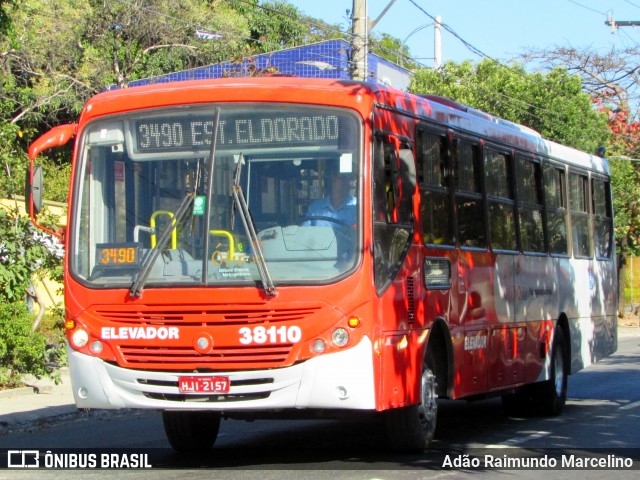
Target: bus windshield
{"type": "Point", "coordinates": [159, 191]}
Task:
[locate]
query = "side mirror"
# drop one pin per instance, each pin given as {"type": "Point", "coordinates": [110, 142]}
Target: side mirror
{"type": "Point", "coordinates": [33, 191]}
{"type": "Point", "coordinates": [55, 137]}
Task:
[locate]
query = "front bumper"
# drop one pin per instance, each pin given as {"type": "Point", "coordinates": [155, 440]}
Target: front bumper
{"type": "Point", "coordinates": [342, 380]}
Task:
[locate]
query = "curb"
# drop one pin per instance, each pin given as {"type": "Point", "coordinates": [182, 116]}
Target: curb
{"type": "Point", "coordinates": [33, 385]}
{"type": "Point", "coordinates": [16, 392]}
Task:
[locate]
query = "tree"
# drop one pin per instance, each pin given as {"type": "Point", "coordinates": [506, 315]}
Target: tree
{"type": "Point", "coordinates": [612, 79]}
{"type": "Point", "coordinates": [552, 103]}
{"type": "Point", "coordinates": [392, 49]}
{"type": "Point", "coordinates": [5, 5]}
{"type": "Point", "coordinates": [140, 38]}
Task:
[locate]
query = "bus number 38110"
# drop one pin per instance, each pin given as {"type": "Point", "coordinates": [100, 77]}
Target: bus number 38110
{"type": "Point", "coordinates": [273, 334]}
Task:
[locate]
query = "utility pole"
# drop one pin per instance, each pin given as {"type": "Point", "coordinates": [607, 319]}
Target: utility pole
{"type": "Point", "coordinates": [437, 43]}
{"type": "Point", "coordinates": [359, 40]}
{"type": "Point", "coordinates": [610, 22]}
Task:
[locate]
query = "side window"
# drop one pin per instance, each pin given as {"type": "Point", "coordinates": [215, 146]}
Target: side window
{"type": "Point", "coordinates": [556, 209]}
{"type": "Point", "coordinates": [394, 182]}
{"type": "Point", "coordinates": [602, 225]}
{"type": "Point", "coordinates": [433, 178]}
{"type": "Point", "coordinates": [468, 194]}
{"type": "Point", "coordinates": [500, 200]}
{"type": "Point", "coordinates": [579, 207]}
{"type": "Point", "coordinates": [529, 189]}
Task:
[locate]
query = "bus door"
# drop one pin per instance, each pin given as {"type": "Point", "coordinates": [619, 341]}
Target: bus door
{"type": "Point", "coordinates": [396, 269]}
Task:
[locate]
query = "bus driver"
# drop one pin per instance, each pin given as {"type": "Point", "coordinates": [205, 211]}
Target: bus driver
{"type": "Point", "coordinates": [339, 204]}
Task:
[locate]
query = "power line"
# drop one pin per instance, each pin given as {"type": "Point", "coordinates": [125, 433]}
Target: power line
{"type": "Point", "coordinates": [587, 7]}
{"type": "Point", "coordinates": [471, 47]}
{"type": "Point", "coordinates": [632, 4]}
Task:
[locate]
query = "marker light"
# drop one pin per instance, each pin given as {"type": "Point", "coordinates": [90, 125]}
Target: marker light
{"type": "Point", "coordinates": [319, 346]}
{"type": "Point", "coordinates": [353, 322]}
{"type": "Point", "coordinates": [340, 337]}
{"type": "Point", "coordinates": [96, 347]}
{"type": "Point", "coordinates": [80, 338]}
{"type": "Point", "coordinates": [70, 324]}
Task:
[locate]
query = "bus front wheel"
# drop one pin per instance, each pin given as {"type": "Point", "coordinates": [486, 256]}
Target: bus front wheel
{"type": "Point", "coordinates": [412, 428]}
{"type": "Point", "coordinates": [191, 431]}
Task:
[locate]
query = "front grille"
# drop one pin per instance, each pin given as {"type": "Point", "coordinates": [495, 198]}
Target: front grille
{"type": "Point", "coordinates": [218, 359]}
{"type": "Point", "coordinates": [192, 319]}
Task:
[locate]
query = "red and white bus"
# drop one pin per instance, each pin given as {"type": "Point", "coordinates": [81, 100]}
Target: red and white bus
{"type": "Point", "coordinates": [469, 257]}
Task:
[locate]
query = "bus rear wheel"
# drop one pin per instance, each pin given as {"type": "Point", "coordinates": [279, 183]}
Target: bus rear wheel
{"type": "Point", "coordinates": [412, 428]}
{"type": "Point", "coordinates": [191, 431]}
{"type": "Point", "coordinates": [550, 396]}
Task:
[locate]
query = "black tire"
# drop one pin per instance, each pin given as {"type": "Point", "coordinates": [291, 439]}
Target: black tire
{"type": "Point", "coordinates": [412, 428]}
{"type": "Point", "coordinates": [550, 396]}
{"type": "Point", "coordinates": [543, 398]}
{"type": "Point", "coordinates": [189, 431]}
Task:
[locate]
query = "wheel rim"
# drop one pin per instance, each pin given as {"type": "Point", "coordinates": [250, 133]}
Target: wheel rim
{"type": "Point", "coordinates": [428, 406]}
{"type": "Point", "coordinates": [559, 371]}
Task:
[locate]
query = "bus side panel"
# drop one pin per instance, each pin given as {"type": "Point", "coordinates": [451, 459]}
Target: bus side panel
{"type": "Point", "coordinates": [536, 306]}
{"type": "Point", "coordinates": [592, 324]}
{"type": "Point", "coordinates": [474, 295]}
{"type": "Point", "coordinates": [401, 371]}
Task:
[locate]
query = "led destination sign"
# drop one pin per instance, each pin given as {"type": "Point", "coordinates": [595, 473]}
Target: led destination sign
{"type": "Point", "coordinates": [194, 133]}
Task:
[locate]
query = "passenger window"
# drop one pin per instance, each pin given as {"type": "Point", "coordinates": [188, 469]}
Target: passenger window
{"type": "Point", "coordinates": [434, 180]}
{"type": "Point", "coordinates": [603, 225]}
{"type": "Point", "coordinates": [499, 185]}
{"type": "Point", "coordinates": [555, 203]}
{"type": "Point", "coordinates": [529, 188]}
{"type": "Point", "coordinates": [578, 203]}
{"type": "Point", "coordinates": [468, 195]}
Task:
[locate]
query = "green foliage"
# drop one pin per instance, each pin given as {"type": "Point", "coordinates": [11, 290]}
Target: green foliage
{"type": "Point", "coordinates": [23, 252]}
{"type": "Point", "coordinates": [12, 160]}
{"type": "Point", "coordinates": [552, 103]}
{"type": "Point", "coordinates": [625, 180]}
{"type": "Point", "coordinates": [4, 17]}
{"type": "Point", "coordinates": [393, 50]}
{"type": "Point", "coordinates": [21, 350]}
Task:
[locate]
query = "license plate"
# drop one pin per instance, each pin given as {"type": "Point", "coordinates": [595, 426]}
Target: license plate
{"type": "Point", "coordinates": [203, 384]}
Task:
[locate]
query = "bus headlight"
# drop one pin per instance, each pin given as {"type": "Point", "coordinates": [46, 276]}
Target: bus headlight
{"type": "Point", "coordinates": [79, 338]}
{"type": "Point", "coordinates": [340, 337]}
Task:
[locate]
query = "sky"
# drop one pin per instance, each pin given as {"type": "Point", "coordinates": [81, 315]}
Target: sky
{"type": "Point", "coordinates": [501, 29]}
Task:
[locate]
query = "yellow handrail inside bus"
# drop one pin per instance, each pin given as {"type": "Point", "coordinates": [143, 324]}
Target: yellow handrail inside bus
{"type": "Point", "coordinates": [174, 233]}
{"type": "Point", "coordinates": [228, 235]}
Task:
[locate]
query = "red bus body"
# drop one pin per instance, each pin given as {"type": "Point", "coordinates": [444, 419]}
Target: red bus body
{"type": "Point", "coordinates": [478, 305]}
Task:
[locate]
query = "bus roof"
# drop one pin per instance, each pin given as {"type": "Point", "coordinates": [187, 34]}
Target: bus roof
{"type": "Point", "coordinates": [346, 93]}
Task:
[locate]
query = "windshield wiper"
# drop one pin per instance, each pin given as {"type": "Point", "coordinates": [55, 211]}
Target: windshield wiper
{"type": "Point", "coordinates": [240, 205]}
{"type": "Point", "coordinates": [150, 259]}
